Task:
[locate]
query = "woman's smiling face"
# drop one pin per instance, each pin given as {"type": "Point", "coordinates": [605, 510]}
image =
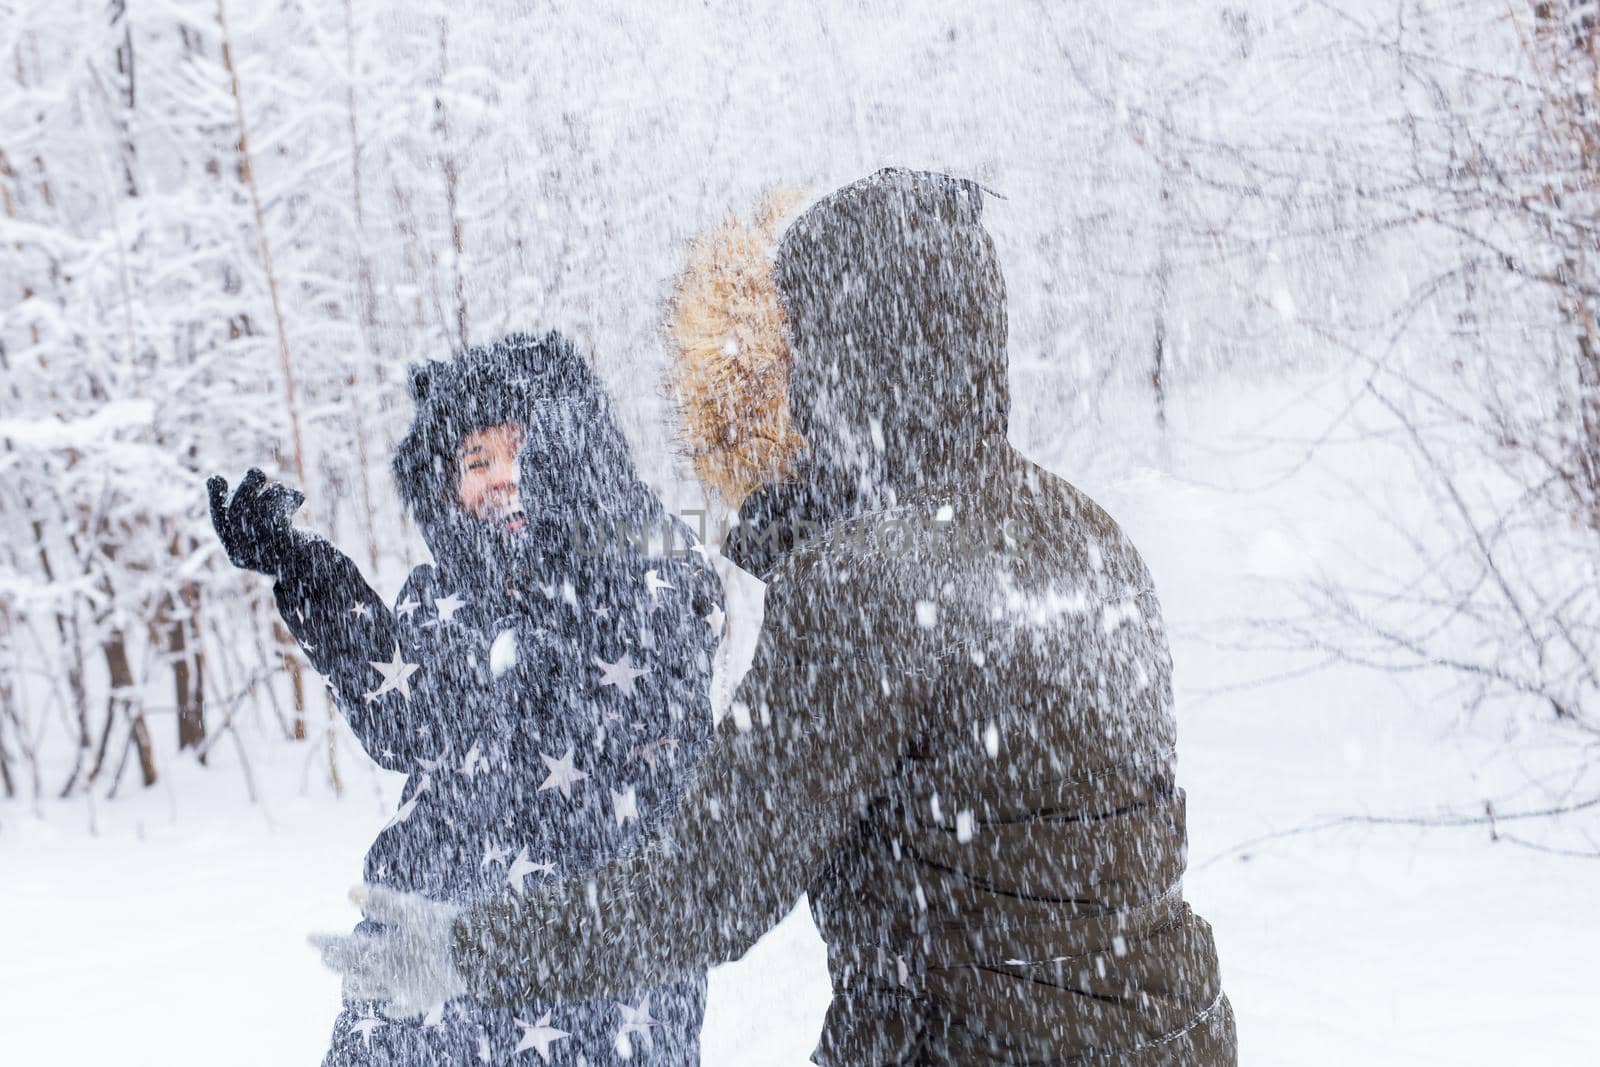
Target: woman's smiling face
{"type": "Point", "coordinates": [486, 476]}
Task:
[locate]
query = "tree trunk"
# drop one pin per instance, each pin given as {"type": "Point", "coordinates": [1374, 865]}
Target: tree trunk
{"type": "Point", "coordinates": [248, 175]}
{"type": "Point", "coordinates": [72, 637]}
{"type": "Point", "coordinates": [6, 715]}
{"type": "Point", "coordinates": [123, 32]}
{"type": "Point", "coordinates": [188, 666]}
{"type": "Point", "coordinates": [442, 127]}
{"type": "Point", "coordinates": [1571, 31]}
{"type": "Point", "coordinates": [366, 300]}
{"type": "Point", "coordinates": [121, 700]}
{"type": "Point", "coordinates": [290, 651]}
{"type": "Point", "coordinates": [1159, 356]}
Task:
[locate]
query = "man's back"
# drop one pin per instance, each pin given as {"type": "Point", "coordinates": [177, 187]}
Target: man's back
{"type": "Point", "coordinates": [1011, 891]}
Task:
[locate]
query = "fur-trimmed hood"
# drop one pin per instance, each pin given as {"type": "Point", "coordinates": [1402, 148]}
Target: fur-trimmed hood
{"type": "Point", "coordinates": [730, 367]}
{"type": "Point", "coordinates": [576, 463]}
{"type": "Point", "coordinates": [848, 357]}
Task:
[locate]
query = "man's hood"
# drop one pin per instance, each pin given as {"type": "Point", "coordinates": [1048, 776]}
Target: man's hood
{"type": "Point", "coordinates": [896, 313]}
{"type": "Point", "coordinates": [891, 359]}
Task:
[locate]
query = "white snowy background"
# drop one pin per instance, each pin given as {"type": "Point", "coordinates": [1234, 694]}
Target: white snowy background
{"type": "Point", "coordinates": [1304, 293]}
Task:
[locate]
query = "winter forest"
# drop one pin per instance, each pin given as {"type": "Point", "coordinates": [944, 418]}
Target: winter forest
{"type": "Point", "coordinates": [1304, 293]}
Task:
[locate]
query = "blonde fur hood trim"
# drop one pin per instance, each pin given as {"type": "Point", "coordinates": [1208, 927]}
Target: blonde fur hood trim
{"type": "Point", "coordinates": [729, 354]}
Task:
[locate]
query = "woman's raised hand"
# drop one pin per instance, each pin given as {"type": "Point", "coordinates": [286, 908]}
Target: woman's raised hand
{"type": "Point", "coordinates": [257, 526]}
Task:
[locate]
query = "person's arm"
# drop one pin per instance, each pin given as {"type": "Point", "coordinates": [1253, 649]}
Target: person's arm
{"type": "Point", "coordinates": [780, 788]}
{"type": "Point", "coordinates": [370, 655]}
{"type": "Point", "coordinates": [329, 608]}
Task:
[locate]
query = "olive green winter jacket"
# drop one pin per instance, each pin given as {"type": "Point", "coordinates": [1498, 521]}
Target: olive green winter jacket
{"type": "Point", "coordinates": [956, 736]}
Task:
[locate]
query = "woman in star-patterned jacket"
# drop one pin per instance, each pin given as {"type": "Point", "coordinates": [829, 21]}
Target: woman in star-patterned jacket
{"type": "Point", "coordinates": [544, 683]}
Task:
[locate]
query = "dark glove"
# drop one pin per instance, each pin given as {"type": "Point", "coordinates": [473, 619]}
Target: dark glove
{"type": "Point", "coordinates": [257, 527]}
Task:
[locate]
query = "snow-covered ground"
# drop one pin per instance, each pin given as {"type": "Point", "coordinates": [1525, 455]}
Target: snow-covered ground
{"type": "Point", "coordinates": [175, 935]}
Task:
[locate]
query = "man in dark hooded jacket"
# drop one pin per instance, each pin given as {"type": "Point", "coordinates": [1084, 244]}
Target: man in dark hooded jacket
{"type": "Point", "coordinates": [544, 683]}
{"type": "Point", "coordinates": [957, 732]}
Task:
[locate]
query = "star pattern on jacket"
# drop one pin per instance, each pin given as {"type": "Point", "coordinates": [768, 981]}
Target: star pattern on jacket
{"type": "Point", "coordinates": [715, 619]}
{"type": "Point", "coordinates": [624, 805]}
{"type": "Point", "coordinates": [655, 583]}
{"type": "Point", "coordinates": [564, 773]}
{"type": "Point", "coordinates": [650, 751]}
{"type": "Point", "coordinates": [522, 866]}
{"type": "Point", "coordinates": [447, 606]}
{"type": "Point", "coordinates": [493, 853]}
{"type": "Point", "coordinates": [409, 808]}
{"type": "Point", "coordinates": [621, 674]}
{"type": "Point", "coordinates": [473, 761]}
{"type": "Point", "coordinates": [433, 766]}
{"type": "Point", "coordinates": [636, 1019]}
{"type": "Point", "coordinates": [539, 1036]}
{"type": "Point", "coordinates": [360, 610]}
{"type": "Point", "coordinates": [407, 607]}
{"type": "Point", "coordinates": [364, 1026]}
{"type": "Point", "coordinates": [395, 673]}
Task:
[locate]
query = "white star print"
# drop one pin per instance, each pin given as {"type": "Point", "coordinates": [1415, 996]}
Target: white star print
{"type": "Point", "coordinates": [651, 750]}
{"type": "Point", "coordinates": [624, 805]}
{"type": "Point", "coordinates": [484, 1055]}
{"type": "Point", "coordinates": [539, 1036]}
{"type": "Point", "coordinates": [359, 609]}
{"type": "Point", "coordinates": [493, 853]}
{"type": "Point", "coordinates": [716, 618]}
{"type": "Point", "coordinates": [308, 646]}
{"type": "Point", "coordinates": [636, 1020]}
{"type": "Point", "coordinates": [434, 1020]}
{"type": "Point", "coordinates": [406, 810]}
{"type": "Point", "coordinates": [655, 583]}
{"type": "Point", "coordinates": [365, 1026]}
{"type": "Point", "coordinates": [620, 674]}
{"type": "Point", "coordinates": [522, 866]}
{"type": "Point", "coordinates": [405, 608]}
{"type": "Point", "coordinates": [563, 775]}
{"type": "Point", "coordinates": [395, 674]}
{"type": "Point", "coordinates": [473, 762]}
{"type": "Point", "coordinates": [447, 606]}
